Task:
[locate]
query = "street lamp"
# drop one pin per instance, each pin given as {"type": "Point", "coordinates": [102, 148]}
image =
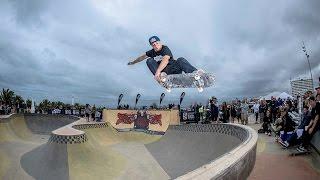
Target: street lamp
{"type": "Point", "coordinates": [307, 55]}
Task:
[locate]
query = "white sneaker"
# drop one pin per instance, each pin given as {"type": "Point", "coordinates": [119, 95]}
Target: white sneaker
{"type": "Point", "coordinates": [286, 144]}
{"type": "Point", "coordinates": [301, 149]}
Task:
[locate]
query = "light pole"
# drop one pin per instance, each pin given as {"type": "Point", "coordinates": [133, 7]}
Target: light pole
{"type": "Point", "coordinates": [307, 55]}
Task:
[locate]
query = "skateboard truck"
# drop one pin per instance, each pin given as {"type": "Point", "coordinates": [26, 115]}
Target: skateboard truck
{"type": "Point", "coordinates": [169, 86]}
{"type": "Point", "coordinates": [163, 77]}
{"type": "Point", "coordinates": [199, 82]}
{"type": "Point", "coordinates": [200, 89]}
{"type": "Point", "coordinates": [197, 77]}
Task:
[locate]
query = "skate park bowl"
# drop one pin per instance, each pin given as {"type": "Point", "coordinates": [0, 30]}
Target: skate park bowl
{"type": "Point", "coordinates": [66, 147]}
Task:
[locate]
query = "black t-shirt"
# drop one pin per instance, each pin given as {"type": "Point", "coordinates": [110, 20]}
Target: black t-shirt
{"type": "Point", "coordinates": [160, 54]}
{"type": "Point", "coordinates": [315, 111]}
{"type": "Point", "coordinates": [272, 104]}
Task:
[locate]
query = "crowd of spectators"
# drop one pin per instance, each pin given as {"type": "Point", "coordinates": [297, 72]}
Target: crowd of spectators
{"type": "Point", "coordinates": [304, 131]}
{"type": "Point", "coordinates": [275, 115]}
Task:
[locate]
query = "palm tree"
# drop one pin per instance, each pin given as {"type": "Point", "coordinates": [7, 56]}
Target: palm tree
{"type": "Point", "coordinates": [29, 103]}
{"type": "Point", "coordinates": [6, 97]}
{"type": "Point", "coordinates": [60, 104]}
{"type": "Point", "coordinates": [45, 105]}
{"type": "Point", "coordinates": [18, 101]}
{"type": "Point", "coordinates": [54, 105]}
{"type": "Point", "coordinates": [77, 106]}
{"type": "Point", "coordinates": [67, 106]}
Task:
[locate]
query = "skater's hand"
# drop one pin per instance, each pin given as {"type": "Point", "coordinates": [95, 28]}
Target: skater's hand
{"type": "Point", "coordinates": [130, 63]}
{"type": "Point", "coordinates": [306, 128]}
{"type": "Point", "coordinates": [310, 130]}
{"type": "Point", "coordinates": [157, 76]}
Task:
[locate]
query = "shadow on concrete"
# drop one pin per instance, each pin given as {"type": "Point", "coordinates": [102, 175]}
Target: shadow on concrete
{"type": "Point", "coordinates": [48, 161]}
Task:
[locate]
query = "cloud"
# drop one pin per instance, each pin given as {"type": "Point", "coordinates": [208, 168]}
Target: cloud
{"type": "Point", "coordinates": [59, 49]}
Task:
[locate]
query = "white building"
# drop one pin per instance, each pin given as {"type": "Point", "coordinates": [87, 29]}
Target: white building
{"type": "Point", "coordinates": [300, 86]}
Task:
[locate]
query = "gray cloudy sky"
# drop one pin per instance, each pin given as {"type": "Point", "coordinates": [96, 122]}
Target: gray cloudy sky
{"type": "Point", "coordinates": [55, 49]}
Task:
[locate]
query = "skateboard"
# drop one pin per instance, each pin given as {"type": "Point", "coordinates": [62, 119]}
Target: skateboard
{"type": "Point", "coordinates": [197, 80]}
{"type": "Point", "coordinates": [295, 152]}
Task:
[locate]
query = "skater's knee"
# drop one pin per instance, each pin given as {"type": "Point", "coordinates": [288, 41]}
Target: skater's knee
{"type": "Point", "coordinates": [150, 61]}
{"type": "Point", "coordinates": [180, 59]}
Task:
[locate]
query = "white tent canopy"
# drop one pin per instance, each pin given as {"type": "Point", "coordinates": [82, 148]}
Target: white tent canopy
{"type": "Point", "coordinates": [277, 95]}
{"type": "Point", "coordinates": [284, 95]}
{"type": "Point", "coordinates": [268, 97]}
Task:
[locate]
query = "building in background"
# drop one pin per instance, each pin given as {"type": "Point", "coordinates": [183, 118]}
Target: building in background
{"type": "Point", "coordinates": [300, 86]}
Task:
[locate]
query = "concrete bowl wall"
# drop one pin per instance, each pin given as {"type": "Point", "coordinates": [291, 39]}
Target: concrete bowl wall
{"type": "Point", "coordinates": [235, 164]}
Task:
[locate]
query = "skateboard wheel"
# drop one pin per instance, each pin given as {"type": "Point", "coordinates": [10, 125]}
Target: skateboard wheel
{"type": "Point", "coordinates": [200, 89]}
{"type": "Point", "coordinates": [196, 77]}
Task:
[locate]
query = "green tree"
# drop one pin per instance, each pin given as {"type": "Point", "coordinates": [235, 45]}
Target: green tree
{"type": "Point", "coordinates": [54, 105]}
{"type": "Point", "coordinates": [18, 101]}
{"type": "Point", "coordinates": [28, 103]}
{"type": "Point", "coordinates": [77, 106]}
{"type": "Point", "coordinates": [60, 104]}
{"type": "Point", "coordinates": [6, 97]}
{"type": "Point", "coordinates": [45, 105]}
{"type": "Point", "coordinates": [67, 106]}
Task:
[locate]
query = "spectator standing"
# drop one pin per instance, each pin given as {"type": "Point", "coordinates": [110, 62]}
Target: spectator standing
{"type": "Point", "coordinates": [214, 110]}
{"type": "Point", "coordinates": [97, 116]}
{"type": "Point", "coordinates": [93, 112]}
{"type": "Point", "coordinates": [201, 111]}
{"type": "Point", "coordinates": [225, 112]}
{"type": "Point", "coordinates": [87, 112]}
{"type": "Point", "coordinates": [238, 109]}
{"type": "Point", "coordinates": [266, 126]}
{"type": "Point", "coordinates": [256, 110]}
{"type": "Point", "coordinates": [233, 112]}
{"type": "Point", "coordinates": [244, 112]}
{"type": "Point", "coordinates": [262, 110]}
{"type": "Point", "coordinates": [273, 109]}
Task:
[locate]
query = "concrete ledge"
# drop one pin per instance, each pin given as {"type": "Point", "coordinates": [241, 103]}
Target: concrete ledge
{"type": "Point", "coordinates": [87, 126]}
{"type": "Point", "coordinates": [68, 139]}
{"type": "Point", "coordinates": [71, 133]}
{"type": "Point", "coordinates": [6, 116]}
{"type": "Point", "coordinates": [236, 164]}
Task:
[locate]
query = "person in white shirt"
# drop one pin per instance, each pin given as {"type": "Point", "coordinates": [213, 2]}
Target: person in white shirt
{"type": "Point", "coordinates": [256, 110]}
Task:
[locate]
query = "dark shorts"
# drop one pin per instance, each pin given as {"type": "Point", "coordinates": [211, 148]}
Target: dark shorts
{"type": "Point", "coordinates": [172, 68]}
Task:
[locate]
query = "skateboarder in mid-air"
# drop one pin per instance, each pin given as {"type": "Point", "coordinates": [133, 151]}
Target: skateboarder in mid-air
{"type": "Point", "coordinates": [160, 60]}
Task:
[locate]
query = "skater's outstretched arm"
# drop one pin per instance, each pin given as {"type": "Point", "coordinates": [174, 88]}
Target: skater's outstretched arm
{"type": "Point", "coordinates": [139, 59]}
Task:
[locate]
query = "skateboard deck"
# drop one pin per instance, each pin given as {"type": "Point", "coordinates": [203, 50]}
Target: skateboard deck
{"type": "Point", "coordinates": [188, 80]}
{"type": "Point", "coordinates": [295, 152]}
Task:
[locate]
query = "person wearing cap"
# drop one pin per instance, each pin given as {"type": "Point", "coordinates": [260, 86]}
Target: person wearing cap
{"type": "Point", "coordinates": [160, 60]}
{"type": "Point", "coordinates": [318, 90]}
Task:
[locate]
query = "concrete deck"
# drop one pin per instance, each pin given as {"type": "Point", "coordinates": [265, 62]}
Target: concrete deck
{"type": "Point", "coordinates": [274, 162]}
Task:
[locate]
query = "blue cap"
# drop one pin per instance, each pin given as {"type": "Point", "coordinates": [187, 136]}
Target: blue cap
{"type": "Point", "coordinates": [153, 39]}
